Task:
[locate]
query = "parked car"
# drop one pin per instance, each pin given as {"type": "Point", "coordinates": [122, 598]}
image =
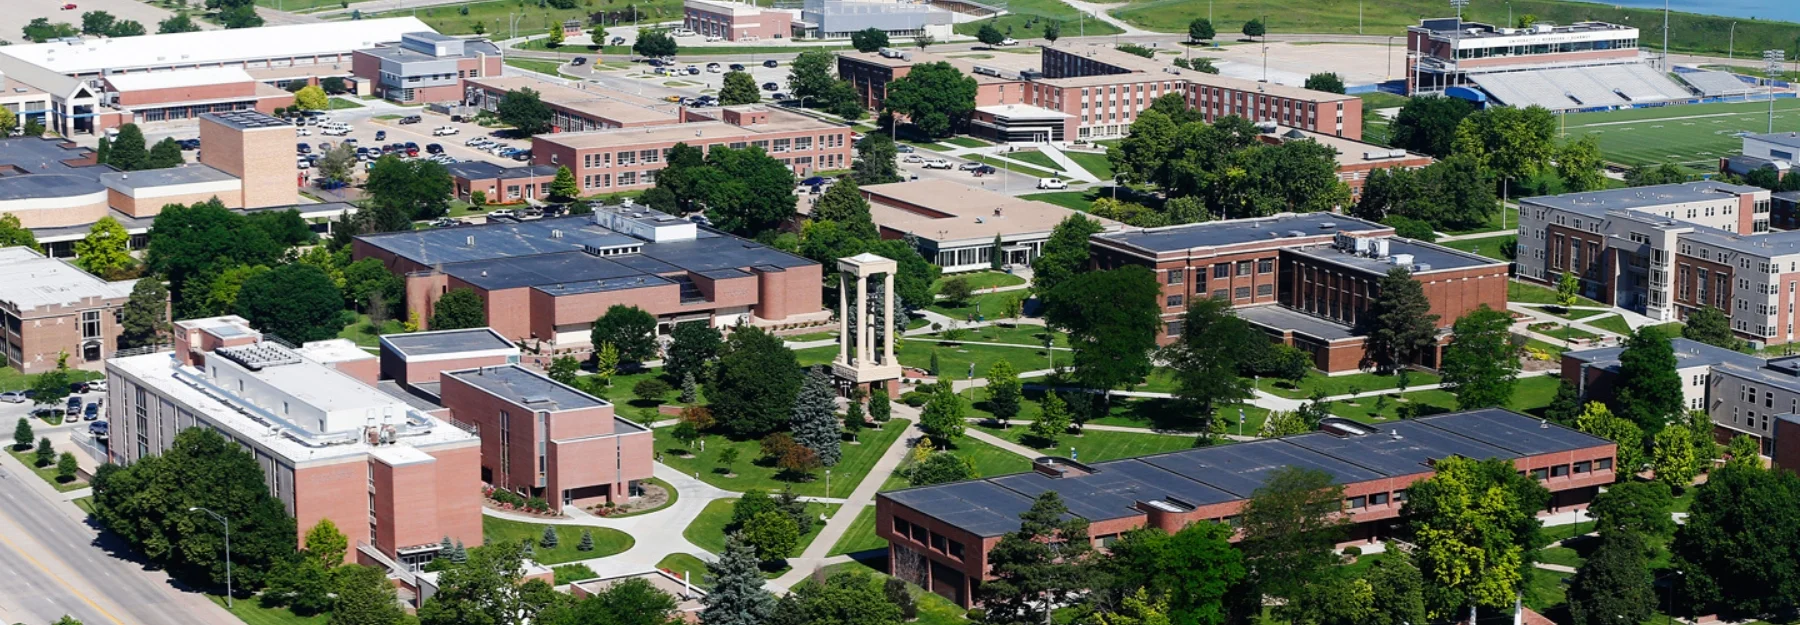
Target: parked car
{"type": "Point", "coordinates": [434, 148]}
{"type": "Point", "coordinates": [302, 131]}
{"type": "Point", "coordinates": [74, 403]}
{"type": "Point", "coordinates": [97, 386]}
{"type": "Point", "coordinates": [769, 86]}
{"type": "Point", "coordinates": [503, 213]}
{"type": "Point", "coordinates": [1009, 41]}
{"type": "Point", "coordinates": [1052, 183]}
{"type": "Point", "coordinates": [445, 222]}
{"type": "Point", "coordinates": [938, 163]}
{"type": "Point", "coordinates": [713, 38]}
{"type": "Point", "coordinates": [691, 70]}
{"type": "Point", "coordinates": [985, 170]}
{"type": "Point", "coordinates": [444, 131]}
{"type": "Point", "coordinates": [683, 32]}
{"type": "Point", "coordinates": [410, 119]}
{"type": "Point", "coordinates": [913, 158]}
{"type": "Point", "coordinates": [815, 181]}
{"type": "Point", "coordinates": [737, 67]}
{"type": "Point", "coordinates": [905, 149]}
{"type": "Point", "coordinates": [712, 67]}
{"type": "Point", "coordinates": [618, 41]}
{"type": "Point", "coordinates": [91, 413]}
{"type": "Point", "coordinates": [969, 166]}
{"type": "Point", "coordinates": [381, 135]}
{"type": "Point", "coordinates": [522, 155]}
{"type": "Point", "coordinates": [68, 7]}
{"type": "Point", "coordinates": [97, 429]}
{"type": "Point", "coordinates": [579, 61]}
{"type": "Point", "coordinates": [771, 63]}
{"type": "Point", "coordinates": [303, 148]}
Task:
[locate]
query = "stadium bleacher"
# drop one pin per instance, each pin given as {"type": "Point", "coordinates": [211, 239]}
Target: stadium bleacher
{"type": "Point", "coordinates": [1581, 87]}
{"type": "Point", "coordinates": [1713, 83]}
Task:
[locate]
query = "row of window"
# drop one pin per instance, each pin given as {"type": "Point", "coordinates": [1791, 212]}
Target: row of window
{"type": "Point", "coordinates": [933, 540]}
{"type": "Point", "coordinates": [1579, 468]}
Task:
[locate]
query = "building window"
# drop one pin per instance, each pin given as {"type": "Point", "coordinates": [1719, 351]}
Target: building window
{"type": "Point", "coordinates": [1603, 464]}
{"type": "Point", "coordinates": [1242, 292]}
{"type": "Point", "coordinates": [1243, 268]}
{"type": "Point", "coordinates": [1266, 265]}
{"type": "Point", "coordinates": [1584, 466]}
{"type": "Point", "coordinates": [1174, 328]}
{"type": "Point", "coordinates": [1378, 499]}
{"type": "Point", "coordinates": [1265, 290]}
{"type": "Point", "coordinates": [1174, 301]}
{"type": "Point", "coordinates": [1176, 276]}
{"type": "Point", "coordinates": [1222, 270]}
{"type": "Point", "coordinates": [1356, 503]}
{"type": "Point", "coordinates": [1540, 474]}
{"type": "Point", "coordinates": [90, 324]}
{"type": "Point", "coordinates": [1561, 470]}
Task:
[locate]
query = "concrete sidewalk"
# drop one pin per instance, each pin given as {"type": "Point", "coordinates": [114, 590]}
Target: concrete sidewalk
{"type": "Point", "coordinates": [863, 497]}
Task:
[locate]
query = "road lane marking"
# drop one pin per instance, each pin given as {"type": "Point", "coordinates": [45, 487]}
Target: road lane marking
{"type": "Point", "coordinates": [65, 583]}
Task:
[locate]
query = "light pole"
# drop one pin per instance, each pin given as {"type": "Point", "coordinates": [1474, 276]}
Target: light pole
{"type": "Point", "coordinates": [1731, 44]}
{"type": "Point", "coordinates": [828, 482]}
{"type": "Point", "coordinates": [1456, 44]}
{"type": "Point", "coordinates": [1773, 59]}
{"type": "Point", "coordinates": [1665, 64]}
{"type": "Point", "coordinates": [227, 523]}
{"type": "Point", "coordinates": [1390, 55]}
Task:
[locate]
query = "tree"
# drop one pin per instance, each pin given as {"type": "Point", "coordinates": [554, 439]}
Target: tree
{"type": "Point", "coordinates": [364, 596]}
{"type": "Point", "coordinates": [1476, 528]}
{"type": "Point", "coordinates": [1053, 420]}
{"type": "Point", "coordinates": [40, 30]}
{"type": "Point", "coordinates": [1481, 364]}
{"type": "Point", "coordinates": [311, 98]}
{"type": "Point", "coordinates": [1201, 29]}
{"type": "Point", "coordinates": [937, 97]}
{"type": "Point", "coordinates": [418, 188]}
{"type": "Point", "coordinates": [1614, 586]}
{"type": "Point", "coordinates": [1052, 32]}
{"type": "Point", "coordinates": [809, 76]}
{"type": "Point", "coordinates": [1209, 353]}
{"type": "Point", "coordinates": [1513, 143]}
{"type": "Point", "coordinates": [66, 467]}
{"type": "Point", "coordinates": [1650, 175]}
{"type": "Point", "coordinates": [564, 187]}
{"type": "Point", "coordinates": [1397, 590]}
{"type": "Point", "coordinates": [606, 363]}
{"type": "Point", "coordinates": [333, 85]}
{"type": "Point", "coordinates": [147, 505]}
{"type": "Point", "coordinates": [746, 192]}
{"type": "Point", "coordinates": [9, 123]}
{"type": "Point", "coordinates": [13, 234]}
{"type": "Point", "coordinates": [869, 39]}
{"type": "Point", "coordinates": [129, 151]}
{"type": "Point", "coordinates": [1048, 561]}
{"type": "Point", "coordinates": [1065, 253]}
{"type": "Point", "coordinates": [1399, 320]}
{"type": "Point", "coordinates": [989, 35]}
{"type": "Point", "coordinates": [843, 101]}
{"type": "Point", "coordinates": [1744, 452]}
{"type": "Point", "coordinates": [1598, 420]}
{"type": "Point", "coordinates": [96, 22]}
{"type": "Point", "coordinates": [877, 161]}
{"type": "Point", "coordinates": [297, 302]}
{"type": "Point", "coordinates": [654, 44]}
{"type": "Point", "coordinates": [941, 468]}
{"type": "Point", "coordinates": [555, 38]}
{"type": "Point", "coordinates": [1328, 82]}
{"type": "Point", "coordinates": [1734, 550]}
{"type": "Point", "coordinates": [178, 23]}
{"type": "Point", "coordinates": [45, 453]}
{"type": "Point", "coordinates": [338, 163]}
{"type": "Point", "coordinates": [1005, 393]}
{"type": "Point", "coordinates": [1672, 455]}
{"type": "Point", "coordinates": [326, 544]}
{"type": "Point", "coordinates": [1565, 406]}
{"type": "Point", "coordinates": [1290, 525]}
{"type": "Point", "coordinates": [629, 329]}
{"type": "Point", "coordinates": [1427, 124]}
{"type": "Point", "coordinates": [1112, 318]}
{"type": "Point", "coordinates": [815, 421]}
{"type": "Point", "coordinates": [524, 111]}
{"type": "Point", "coordinates": [880, 407]}
{"type": "Point", "coordinates": [1713, 327]}
{"type": "Point", "coordinates": [956, 290]}
{"type": "Point", "coordinates": [1649, 389]}
{"type": "Point", "coordinates": [1195, 569]}
{"type": "Point", "coordinates": [240, 16]}
{"type": "Point", "coordinates": [692, 346]}
{"type": "Point", "coordinates": [22, 434]}
{"type": "Point", "coordinates": [1255, 28]}
{"type": "Point", "coordinates": [843, 598]}
{"type": "Point", "coordinates": [488, 589]}
{"type": "Point", "coordinates": [942, 417]}
{"type": "Point", "coordinates": [773, 534]}
{"type": "Point", "coordinates": [739, 88]}
{"type": "Point", "coordinates": [458, 309]}
{"type": "Point", "coordinates": [1634, 507]}
{"type": "Point", "coordinates": [1578, 163]}
{"type": "Point", "coordinates": [303, 585]}
{"type": "Point", "coordinates": [737, 596]}
{"type": "Point", "coordinates": [757, 380]}
{"type": "Point", "coordinates": [105, 251]}
{"type": "Point", "coordinates": [844, 204]}
{"type": "Point", "coordinates": [628, 602]}
{"type": "Point", "coordinates": [165, 154]}
{"type": "Point", "coordinates": [1568, 289]}
{"type": "Point", "coordinates": [924, 41]}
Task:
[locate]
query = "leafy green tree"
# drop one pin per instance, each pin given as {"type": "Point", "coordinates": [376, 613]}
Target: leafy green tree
{"type": "Point", "coordinates": [129, 151]}
{"type": "Point", "coordinates": [369, 282]}
{"type": "Point", "coordinates": [326, 544]}
{"type": "Point", "coordinates": [1743, 452]}
{"type": "Point", "coordinates": [989, 35]}
{"type": "Point", "coordinates": [52, 387]}
{"type": "Point", "coordinates": [1112, 318]}
{"type": "Point", "coordinates": [13, 234]}
{"type": "Point", "coordinates": [815, 422]}
{"type": "Point", "coordinates": [843, 101]}
{"type": "Point", "coordinates": [364, 596]}
{"type": "Point", "coordinates": [843, 598]}
{"type": "Point", "coordinates": [417, 188]}
{"type": "Point", "coordinates": [1634, 507]}
{"type": "Point", "coordinates": [1568, 289]}
{"type": "Point", "coordinates": [488, 589]}
{"type": "Point", "coordinates": [937, 97]}
{"type": "Point", "coordinates": [746, 192]}
{"type": "Point", "coordinates": [1735, 548]}
{"type": "Point", "coordinates": [1195, 569]}
{"type": "Point", "coordinates": [105, 251]}
{"type": "Point", "coordinates": [1290, 525]}
{"type": "Point", "coordinates": [1328, 82]}
{"type": "Point", "coordinates": [880, 407]}
{"type": "Point", "coordinates": [555, 37]}
{"type": "Point", "coordinates": [1476, 528]}
{"type": "Point", "coordinates": [1201, 29]}
{"type": "Point", "coordinates": [301, 585]}
{"type": "Point", "coordinates": [654, 44]}
{"type": "Point", "coordinates": [844, 204]}
{"type": "Point", "coordinates": [1399, 320]}
{"type": "Point", "coordinates": [1255, 28]}
{"type": "Point", "coordinates": [311, 98]}
{"type": "Point", "coordinates": [606, 363]}
{"type": "Point", "coordinates": [1209, 353]}
{"type": "Point", "coordinates": [739, 88]}
{"type": "Point", "coordinates": [629, 329]}
{"type": "Point", "coordinates": [40, 30]}
{"type": "Point", "coordinates": [1614, 586]}
{"type": "Point", "coordinates": [1598, 420]}
{"type": "Point", "coordinates": [773, 534]}
{"type": "Point", "coordinates": [757, 380]}
{"type": "Point", "coordinates": [1672, 455]}
{"type": "Point", "coordinates": [1390, 192]}
{"type": "Point", "coordinates": [1649, 389]}
{"type": "Point", "coordinates": [1005, 393]}
{"type": "Point", "coordinates": [1065, 253]}
{"type": "Point", "coordinates": [240, 16]}
{"type": "Point", "coordinates": [296, 302]}
{"type": "Point", "coordinates": [1651, 175]}
{"type": "Point", "coordinates": [178, 23]}
{"type": "Point", "coordinates": [1397, 590]}
{"type": "Point", "coordinates": [810, 76]}
{"type": "Point", "coordinates": [1052, 31]}
{"type": "Point", "coordinates": [1052, 421]}
{"type": "Point", "coordinates": [1713, 327]}
{"type": "Point", "coordinates": [1427, 124]}
{"type": "Point", "coordinates": [877, 161]}
{"type": "Point", "coordinates": [941, 468]}
{"type": "Point", "coordinates": [45, 454]}
{"type": "Point", "coordinates": [1481, 365]}
{"type": "Point", "coordinates": [338, 163]}
{"type": "Point", "coordinates": [737, 596]}
{"type": "Point", "coordinates": [628, 602]}
{"type": "Point", "coordinates": [869, 39]}
{"type": "Point", "coordinates": [1513, 143]}
{"type": "Point", "coordinates": [525, 111]}
{"type": "Point", "coordinates": [22, 434]}
{"type": "Point", "coordinates": [458, 309]}
{"type": "Point", "coordinates": [942, 417]}
{"type": "Point", "coordinates": [1137, 608]}
{"type": "Point", "coordinates": [66, 467]}
{"type": "Point", "coordinates": [1578, 163]}
{"type": "Point", "coordinates": [165, 154]}
{"type": "Point", "coordinates": [1048, 561]}
{"type": "Point", "coordinates": [564, 369]}
{"type": "Point", "coordinates": [564, 186]}
{"type": "Point", "coordinates": [692, 346]}
{"type": "Point", "coordinates": [9, 123]}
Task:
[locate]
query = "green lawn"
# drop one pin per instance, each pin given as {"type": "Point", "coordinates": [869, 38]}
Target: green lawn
{"type": "Point", "coordinates": [1332, 385]}
{"type": "Point", "coordinates": [252, 612]}
{"type": "Point", "coordinates": [85, 503]}
{"type": "Point", "coordinates": [1561, 555]}
{"type": "Point", "coordinates": [1546, 589]}
{"type": "Point", "coordinates": [298, 5]}
{"type": "Point", "coordinates": [861, 535]}
{"type": "Point", "coordinates": [980, 280]}
{"type": "Point", "coordinates": [966, 142]}
{"type": "Point", "coordinates": [1037, 158]}
{"type": "Point", "coordinates": [816, 355]}
{"type": "Point", "coordinates": [1692, 135]}
{"type": "Point", "coordinates": [988, 460]}
{"type": "Point", "coordinates": [751, 472]}
{"type": "Point", "coordinates": [450, 20]}
{"type": "Point", "coordinates": [607, 541]}
{"type": "Point", "coordinates": [708, 530]}
{"type": "Point", "coordinates": [365, 334]}
{"type": "Point", "coordinates": [1028, 170]}
{"type": "Point", "coordinates": [1072, 200]}
{"type": "Point", "coordinates": [1517, 291]}
{"type": "Point", "coordinates": [1573, 313]}
{"type": "Point", "coordinates": [1566, 333]}
{"type": "Point", "coordinates": [954, 359]}
{"type": "Point", "coordinates": [1097, 445]}
{"type": "Point", "coordinates": [1485, 246]}
{"type": "Point", "coordinates": [344, 103]}
{"type": "Point", "coordinates": [1026, 18]}
{"type": "Point", "coordinates": [536, 65]}
{"type": "Point", "coordinates": [988, 305]}
{"type": "Point", "coordinates": [1530, 395]}
{"type": "Point", "coordinates": [1497, 221]}
{"type": "Point", "coordinates": [809, 337]}
{"type": "Point", "coordinates": [1031, 335]}
{"type": "Point", "coordinates": [680, 563]}
{"type": "Point", "coordinates": [48, 473]}
{"type": "Point", "coordinates": [1382, 100]}
{"type": "Point", "coordinates": [1616, 324]}
{"type": "Point", "coordinates": [13, 380]}
{"type": "Point", "coordinates": [1095, 163]}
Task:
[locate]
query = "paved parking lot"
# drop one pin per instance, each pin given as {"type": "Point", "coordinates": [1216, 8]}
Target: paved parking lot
{"type": "Point", "coordinates": [18, 13]}
{"type": "Point", "coordinates": [639, 81]}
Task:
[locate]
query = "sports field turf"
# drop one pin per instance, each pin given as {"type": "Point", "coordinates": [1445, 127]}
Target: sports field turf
{"type": "Point", "coordinates": [1693, 135]}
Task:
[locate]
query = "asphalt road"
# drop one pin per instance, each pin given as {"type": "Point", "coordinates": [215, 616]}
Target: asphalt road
{"type": "Point", "coordinates": [56, 564]}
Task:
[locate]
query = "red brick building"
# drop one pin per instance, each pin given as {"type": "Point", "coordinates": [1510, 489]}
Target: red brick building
{"type": "Point", "coordinates": [627, 159]}
{"type": "Point", "coordinates": [425, 67]}
{"type": "Point", "coordinates": [51, 307]}
{"type": "Point", "coordinates": [736, 21]}
{"type": "Point", "coordinates": [1304, 279]}
{"type": "Point", "coordinates": [575, 108]}
{"type": "Point", "coordinates": [939, 537]}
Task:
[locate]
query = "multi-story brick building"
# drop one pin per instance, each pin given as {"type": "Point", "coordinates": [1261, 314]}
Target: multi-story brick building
{"type": "Point", "coordinates": [425, 67]}
{"type": "Point", "coordinates": [870, 73]}
{"type": "Point", "coordinates": [544, 282]}
{"type": "Point", "coordinates": [940, 537]}
{"type": "Point", "coordinates": [331, 445]}
{"type": "Point", "coordinates": [1355, 159]}
{"type": "Point", "coordinates": [51, 307]}
{"type": "Point", "coordinates": [627, 159]}
{"type": "Point", "coordinates": [1304, 279]}
{"type": "Point", "coordinates": [736, 21]}
{"type": "Point", "coordinates": [1666, 251]}
{"type": "Point", "coordinates": [574, 109]}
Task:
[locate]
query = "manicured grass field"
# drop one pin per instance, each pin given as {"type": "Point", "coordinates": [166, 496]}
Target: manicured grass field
{"type": "Point", "coordinates": [1485, 246]}
{"type": "Point", "coordinates": [344, 103]}
{"type": "Point", "coordinates": [989, 461]}
{"type": "Point", "coordinates": [13, 380]}
{"type": "Point", "coordinates": [1072, 200]}
{"type": "Point", "coordinates": [365, 334]}
{"type": "Point", "coordinates": [708, 530]}
{"type": "Point", "coordinates": [537, 65]}
{"type": "Point", "coordinates": [861, 535]}
{"type": "Point", "coordinates": [989, 305]}
{"type": "Point", "coordinates": [1036, 158]}
{"type": "Point", "coordinates": [1332, 385]}
{"type": "Point", "coordinates": [1098, 445]}
{"type": "Point", "coordinates": [752, 472]}
{"type": "Point", "coordinates": [1691, 135]}
{"type": "Point", "coordinates": [48, 473]}
{"type": "Point", "coordinates": [607, 541]}
{"type": "Point", "coordinates": [1094, 162]}
{"type": "Point", "coordinates": [252, 612]}
{"type": "Point", "coordinates": [980, 280]}
{"type": "Point", "coordinates": [1614, 324]}
{"type": "Point", "coordinates": [448, 19]}
{"type": "Point", "coordinates": [954, 359]}
{"type": "Point", "coordinates": [1530, 394]}
{"type": "Point", "coordinates": [1028, 170]}
{"type": "Point", "coordinates": [1019, 335]}
{"type": "Point", "coordinates": [1546, 589]}
{"type": "Point", "coordinates": [1026, 18]}
{"type": "Point", "coordinates": [679, 563]}
{"type": "Point", "coordinates": [1517, 291]}
{"type": "Point", "coordinates": [967, 142]}
{"type": "Point", "coordinates": [1566, 333]}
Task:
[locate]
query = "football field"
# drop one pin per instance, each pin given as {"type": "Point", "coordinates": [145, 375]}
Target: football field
{"type": "Point", "coordinates": [1695, 135]}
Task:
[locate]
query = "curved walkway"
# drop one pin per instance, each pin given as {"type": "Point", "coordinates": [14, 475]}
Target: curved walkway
{"type": "Point", "coordinates": [655, 535]}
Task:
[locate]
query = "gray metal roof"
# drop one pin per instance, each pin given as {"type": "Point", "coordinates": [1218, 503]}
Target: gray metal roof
{"type": "Point", "coordinates": [1767, 244]}
{"type": "Point", "coordinates": [151, 178]}
{"type": "Point", "coordinates": [1514, 432]}
{"type": "Point", "coordinates": [1688, 353]}
{"type": "Point", "coordinates": [446, 342]}
{"type": "Point", "coordinates": [41, 186]}
{"type": "Point", "coordinates": [1220, 233]}
{"type": "Point", "coordinates": [1438, 257]}
{"type": "Point", "coordinates": [1412, 452]}
{"type": "Point", "coordinates": [1284, 318]}
{"type": "Point", "coordinates": [1596, 203]}
{"type": "Point", "coordinates": [1242, 468]}
{"type": "Point", "coordinates": [521, 386]}
{"type": "Point", "coordinates": [542, 269]}
{"type": "Point", "coordinates": [979, 507]}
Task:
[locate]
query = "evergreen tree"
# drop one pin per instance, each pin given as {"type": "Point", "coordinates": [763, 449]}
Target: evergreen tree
{"type": "Point", "coordinates": [1711, 326]}
{"type": "Point", "coordinates": [22, 434]}
{"type": "Point", "coordinates": [587, 540]}
{"type": "Point", "coordinates": [549, 539]}
{"type": "Point", "coordinates": [1614, 586]}
{"type": "Point", "coordinates": [461, 555]}
{"type": "Point", "coordinates": [880, 407]}
{"type": "Point", "coordinates": [996, 255]}
{"type": "Point", "coordinates": [1399, 320]}
{"type": "Point", "coordinates": [129, 152]}
{"type": "Point", "coordinates": [446, 550]}
{"type": "Point", "coordinates": [814, 422]}
{"type": "Point", "coordinates": [564, 185]}
{"type": "Point", "coordinates": [692, 346]}
{"type": "Point", "coordinates": [854, 419]}
{"type": "Point", "coordinates": [690, 391]}
{"type": "Point", "coordinates": [1649, 389]}
{"type": "Point", "coordinates": [45, 453]}
{"type": "Point", "coordinates": [1047, 562]}
{"type": "Point", "coordinates": [1005, 393]}
{"type": "Point", "coordinates": [737, 596]}
{"type": "Point", "coordinates": [1565, 406]}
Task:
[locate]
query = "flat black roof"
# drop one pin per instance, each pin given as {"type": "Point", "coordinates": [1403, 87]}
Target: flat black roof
{"type": "Point", "coordinates": [247, 119]}
{"type": "Point", "coordinates": [1280, 317]}
{"type": "Point", "coordinates": [1213, 475]}
{"type": "Point", "coordinates": [446, 342]}
{"type": "Point", "coordinates": [1236, 231]}
{"type": "Point", "coordinates": [45, 186]}
{"type": "Point", "coordinates": [560, 267]}
{"type": "Point", "coordinates": [518, 385]}
{"type": "Point", "coordinates": [1436, 257]}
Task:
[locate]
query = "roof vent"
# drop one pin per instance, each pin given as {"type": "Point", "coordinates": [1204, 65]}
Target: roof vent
{"type": "Point", "coordinates": [1543, 424]}
{"type": "Point", "coordinates": [471, 240]}
{"type": "Point", "coordinates": [1395, 434]}
{"type": "Point", "coordinates": [556, 234]}
{"type": "Point", "coordinates": [1327, 225]}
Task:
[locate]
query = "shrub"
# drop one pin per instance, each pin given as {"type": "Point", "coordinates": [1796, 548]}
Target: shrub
{"type": "Point", "coordinates": [652, 389]}
{"type": "Point", "coordinates": [776, 445]}
{"type": "Point", "coordinates": [914, 398]}
{"type": "Point", "coordinates": [1353, 552]}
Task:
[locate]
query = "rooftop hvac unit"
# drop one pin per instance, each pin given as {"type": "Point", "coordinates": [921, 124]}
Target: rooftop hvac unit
{"type": "Point", "coordinates": [1296, 233]}
{"type": "Point", "coordinates": [1327, 225]}
{"type": "Point", "coordinates": [1376, 155]}
{"type": "Point", "coordinates": [1342, 241]}
{"type": "Point", "coordinates": [1401, 260]}
{"type": "Point", "coordinates": [1421, 267]}
{"type": "Point", "coordinates": [1378, 247]}
{"type": "Point", "coordinates": [1363, 245]}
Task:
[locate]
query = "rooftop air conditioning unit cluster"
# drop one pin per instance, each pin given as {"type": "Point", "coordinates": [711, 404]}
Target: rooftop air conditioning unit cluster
{"type": "Point", "coordinates": [1376, 155]}
{"type": "Point", "coordinates": [1401, 260]}
{"type": "Point", "coordinates": [895, 53]}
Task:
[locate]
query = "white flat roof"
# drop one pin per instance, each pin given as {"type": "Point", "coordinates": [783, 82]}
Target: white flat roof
{"type": "Point", "coordinates": [196, 77]}
{"type": "Point", "coordinates": [93, 56]}
{"type": "Point", "coordinates": [32, 281]}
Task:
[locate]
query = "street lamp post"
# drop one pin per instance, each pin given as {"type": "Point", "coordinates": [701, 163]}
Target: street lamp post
{"type": "Point", "coordinates": [1731, 44]}
{"type": "Point", "coordinates": [1773, 59]}
{"type": "Point", "coordinates": [1456, 43]}
{"type": "Point", "coordinates": [227, 523]}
